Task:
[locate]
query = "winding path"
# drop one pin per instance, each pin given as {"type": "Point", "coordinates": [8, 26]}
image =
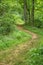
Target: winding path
{"type": "Point", "coordinates": [22, 46]}
{"type": "Point", "coordinates": [28, 44]}
{"type": "Point", "coordinates": [13, 53]}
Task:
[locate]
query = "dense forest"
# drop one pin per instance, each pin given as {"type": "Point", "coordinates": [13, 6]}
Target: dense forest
{"type": "Point", "coordinates": [21, 32]}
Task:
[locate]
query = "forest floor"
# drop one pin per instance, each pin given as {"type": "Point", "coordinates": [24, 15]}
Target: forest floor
{"type": "Point", "coordinates": [13, 56]}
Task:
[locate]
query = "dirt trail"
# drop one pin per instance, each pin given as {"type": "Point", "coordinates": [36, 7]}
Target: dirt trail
{"type": "Point", "coordinates": [24, 45]}
{"type": "Point", "coordinates": [27, 44]}
{"type": "Point", "coordinates": [21, 48]}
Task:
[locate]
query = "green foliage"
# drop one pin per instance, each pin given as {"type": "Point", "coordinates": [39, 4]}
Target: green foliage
{"type": "Point", "coordinates": [11, 13]}
{"type": "Point", "coordinates": [6, 24]}
{"type": "Point", "coordinates": [38, 23]}
{"type": "Point", "coordinates": [4, 28]}
{"type": "Point", "coordinates": [4, 8]}
{"type": "Point", "coordinates": [6, 19]}
{"type": "Point", "coordinates": [18, 19]}
{"type": "Point", "coordinates": [36, 56]}
{"type": "Point", "coordinates": [17, 7]}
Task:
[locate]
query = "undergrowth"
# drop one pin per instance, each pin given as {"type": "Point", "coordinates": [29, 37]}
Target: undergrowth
{"type": "Point", "coordinates": [14, 38]}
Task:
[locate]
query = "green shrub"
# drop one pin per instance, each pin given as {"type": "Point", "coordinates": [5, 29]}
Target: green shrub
{"type": "Point", "coordinates": [36, 56]}
{"type": "Point", "coordinates": [4, 8]}
{"type": "Point", "coordinates": [4, 28]}
{"type": "Point", "coordinates": [18, 19]}
{"type": "Point", "coordinates": [6, 24]}
{"type": "Point", "coordinates": [38, 23]}
{"type": "Point", "coordinates": [6, 19]}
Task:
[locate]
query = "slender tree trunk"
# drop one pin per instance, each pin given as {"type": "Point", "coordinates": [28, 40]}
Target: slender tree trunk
{"type": "Point", "coordinates": [32, 13]}
{"type": "Point", "coordinates": [28, 9]}
{"type": "Point", "coordinates": [25, 11]}
{"type": "Point", "coordinates": [29, 15]}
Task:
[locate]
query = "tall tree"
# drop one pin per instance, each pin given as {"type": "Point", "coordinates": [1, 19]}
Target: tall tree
{"type": "Point", "coordinates": [25, 11]}
{"type": "Point", "coordinates": [28, 9]}
{"type": "Point", "coordinates": [32, 13]}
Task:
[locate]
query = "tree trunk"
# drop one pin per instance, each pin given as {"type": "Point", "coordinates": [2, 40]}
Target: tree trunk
{"type": "Point", "coordinates": [28, 9]}
{"type": "Point", "coordinates": [29, 14]}
{"type": "Point", "coordinates": [32, 14]}
{"type": "Point", "coordinates": [25, 11]}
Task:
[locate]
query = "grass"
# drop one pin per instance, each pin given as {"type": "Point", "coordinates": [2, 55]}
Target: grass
{"type": "Point", "coordinates": [13, 39]}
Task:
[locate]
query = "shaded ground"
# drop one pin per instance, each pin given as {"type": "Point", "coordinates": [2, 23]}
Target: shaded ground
{"type": "Point", "coordinates": [12, 56]}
